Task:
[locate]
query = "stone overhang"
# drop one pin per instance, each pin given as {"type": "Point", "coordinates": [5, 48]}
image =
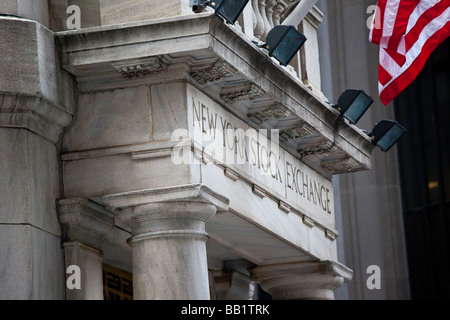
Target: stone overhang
{"type": "Point", "coordinates": [223, 63]}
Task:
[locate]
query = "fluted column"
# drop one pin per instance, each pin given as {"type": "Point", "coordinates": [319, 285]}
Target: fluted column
{"type": "Point", "coordinates": [302, 280]}
{"type": "Point", "coordinates": [169, 240]}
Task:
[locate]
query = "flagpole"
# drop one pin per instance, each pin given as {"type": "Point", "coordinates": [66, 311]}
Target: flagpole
{"type": "Point", "coordinates": [300, 12]}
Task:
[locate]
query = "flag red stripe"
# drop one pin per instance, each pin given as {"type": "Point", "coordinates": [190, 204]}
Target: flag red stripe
{"type": "Point", "coordinates": [401, 22]}
{"type": "Point", "coordinates": [379, 16]}
{"type": "Point", "coordinates": [407, 77]}
{"type": "Point", "coordinates": [398, 57]}
{"type": "Point", "coordinates": [435, 11]}
{"type": "Point", "coordinates": [383, 76]}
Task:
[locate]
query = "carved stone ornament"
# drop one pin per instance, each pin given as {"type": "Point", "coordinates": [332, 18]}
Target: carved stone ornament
{"type": "Point", "coordinates": [245, 91]}
{"type": "Point", "coordinates": [140, 68]}
{"type": "Point", "coordinates": [322, 147]}
{"type": "Point", "coordinates": [339, 165]}
{"type": "Point", "coordinates": [274, 112]}
{"type": "Point", "coordinates": [299, 132]}
{"type": "Point", "coordinates": [214, 73]}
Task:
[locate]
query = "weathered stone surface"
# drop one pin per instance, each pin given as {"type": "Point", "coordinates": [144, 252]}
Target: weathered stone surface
{"type": "Point", "coordinates": [28, 180]}
{"type": "Point", "coordinates": [32, 264]}
{"type": "Point", "coordinates": [108, 12]}
{"type": "Point", "coordinates": [98, 176]}
{"type": "Point", "coordinates": [108, 119]}
{"type": "Point", "coordinates": [29, 62]}
{"type": "Point", "coordinates": [168, 109]}
{"type": "Point", "coordinates": [115, 12]}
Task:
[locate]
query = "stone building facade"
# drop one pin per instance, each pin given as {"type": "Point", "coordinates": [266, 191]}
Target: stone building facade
{"type": "Point", "coordinates": [107, 161]}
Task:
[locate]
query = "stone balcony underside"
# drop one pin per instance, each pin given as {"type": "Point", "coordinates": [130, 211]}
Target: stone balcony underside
{"type": "Point", "coordinates": [221, 62]}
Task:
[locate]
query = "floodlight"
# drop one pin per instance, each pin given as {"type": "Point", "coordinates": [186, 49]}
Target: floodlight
{"type": "Point", "coordinates": [229, 10]}
{"type": "Point", "coordinates": [386, 133]}
{"type": "Point", "coordinates": [352, 104]}
{"type": "Point", "coordinates": [283, 42]}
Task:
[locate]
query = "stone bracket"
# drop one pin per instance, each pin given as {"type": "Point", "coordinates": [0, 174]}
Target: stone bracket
{"type": "Point", "coordinates": [83, 220]}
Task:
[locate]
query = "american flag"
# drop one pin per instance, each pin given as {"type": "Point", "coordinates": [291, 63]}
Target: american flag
{"type": "Point", "coordinates": [407, 31]}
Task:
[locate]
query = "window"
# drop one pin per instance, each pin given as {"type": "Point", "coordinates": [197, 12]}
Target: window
{"type": "Point", "coordinates": [117, 284]}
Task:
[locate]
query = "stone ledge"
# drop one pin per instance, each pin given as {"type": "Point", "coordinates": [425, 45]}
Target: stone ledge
{"type": "Point", "coordinates": [192, 192]}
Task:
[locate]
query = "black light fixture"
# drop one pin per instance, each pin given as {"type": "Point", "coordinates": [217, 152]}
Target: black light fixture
{"type": "Point", "coordinates": [352, 104]}
{"type": "Point", "coordinates": [386, 133]}
{"type": "Point", "coordinates": [283, 42]}
{"type": "Point", "coordinates": [229, 10]}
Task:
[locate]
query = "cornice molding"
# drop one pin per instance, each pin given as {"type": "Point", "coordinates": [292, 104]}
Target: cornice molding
{"type": "Point", "coordinates": [35, 113]}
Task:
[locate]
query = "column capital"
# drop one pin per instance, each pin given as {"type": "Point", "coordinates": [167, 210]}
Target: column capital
{"type": "Point", "coordinates": [233, 285]}
{"type": "Point", "coordinates": [167, 219]}
{"type": "Point", "coordinates": [169, 238]}
{"type": "Point", "coordinates": [172, 211]}
{"type": "Point", "coordinates": [184, 193]}
{"type": "Point", "coordinates": [85, 221]}
{"type": "Point", "coordinates": [312, 280]}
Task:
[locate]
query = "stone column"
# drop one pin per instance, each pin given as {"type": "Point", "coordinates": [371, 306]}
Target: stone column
{"type": "Point", "coordinates": [169, 240]}
{"type": "Point", "coordinates": [302, 280]}
{"type": "Point", "coordinates": [89, 261]}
